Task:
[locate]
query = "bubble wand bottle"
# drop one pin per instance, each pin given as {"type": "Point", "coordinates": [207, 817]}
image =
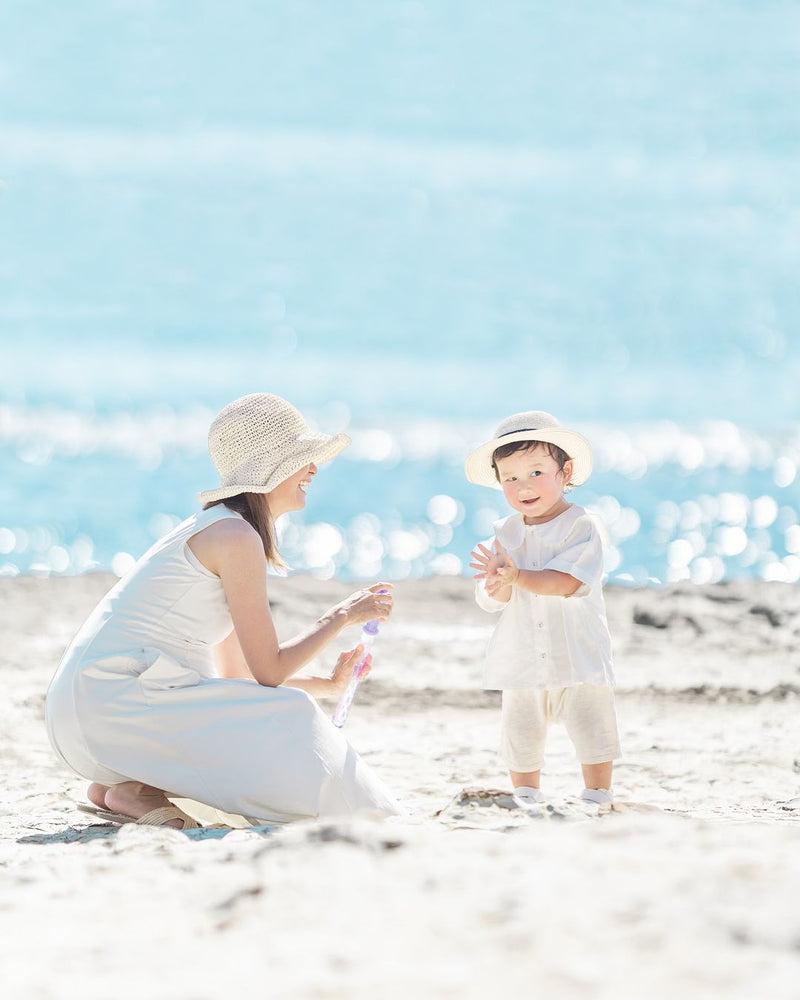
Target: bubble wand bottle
{"type": "Point", "coordinates": [368, 633]}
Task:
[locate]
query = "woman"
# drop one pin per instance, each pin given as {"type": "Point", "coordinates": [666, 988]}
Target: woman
{"type": "Point", "coordinates": [177, 687]}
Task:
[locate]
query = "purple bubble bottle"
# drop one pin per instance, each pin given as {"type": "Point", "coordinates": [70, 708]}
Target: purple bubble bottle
{"type": "Point", "coordinates": [368, 633]}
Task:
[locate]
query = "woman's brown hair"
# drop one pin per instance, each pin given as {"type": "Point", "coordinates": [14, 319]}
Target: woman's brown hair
{"type": "Point", "coordinates": [254, 508]}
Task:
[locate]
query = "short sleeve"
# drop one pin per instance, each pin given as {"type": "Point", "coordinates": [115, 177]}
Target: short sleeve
{"type": "Point", "coordinates": [581, 556]}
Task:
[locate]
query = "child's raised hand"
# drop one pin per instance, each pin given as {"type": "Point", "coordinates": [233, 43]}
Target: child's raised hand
{"type": "Point", "coordinates": [506, 575]}
{"type": "Point", "coordinates": [485, 560]}
{"type": "Point", "coordinates": [497, 568]}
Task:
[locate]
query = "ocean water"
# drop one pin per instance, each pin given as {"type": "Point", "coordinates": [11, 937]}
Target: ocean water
{"type": "Point", "coordinates": [410, 219]}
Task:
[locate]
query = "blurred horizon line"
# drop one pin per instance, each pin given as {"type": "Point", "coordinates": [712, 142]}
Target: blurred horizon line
{"type": "Point", "coordinates": [449, 163]}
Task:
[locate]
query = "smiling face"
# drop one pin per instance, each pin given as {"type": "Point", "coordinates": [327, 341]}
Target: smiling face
{"type": "Point", "coordinates": [291, 493]}
{"type": "Point", "coordinates": [534, 484]}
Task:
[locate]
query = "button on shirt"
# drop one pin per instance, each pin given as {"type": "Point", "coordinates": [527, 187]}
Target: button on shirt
{"type": "Point", "coordinates": [543, 641]}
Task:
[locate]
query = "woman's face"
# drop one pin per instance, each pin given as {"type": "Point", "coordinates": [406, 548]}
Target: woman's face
{"type": "Point", "coordinates": [291, 493]}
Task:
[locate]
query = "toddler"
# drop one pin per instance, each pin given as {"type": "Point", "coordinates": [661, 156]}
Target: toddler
{"type": "Point", "coordinates": [550, 653]}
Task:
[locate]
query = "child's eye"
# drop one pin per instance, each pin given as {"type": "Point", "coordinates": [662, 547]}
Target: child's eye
{"type": "Point", "coordinates": [536, 472]}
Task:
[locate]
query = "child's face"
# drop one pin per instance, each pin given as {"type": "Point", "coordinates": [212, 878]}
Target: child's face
{"type": "Point", "coordinates": [533, 483]}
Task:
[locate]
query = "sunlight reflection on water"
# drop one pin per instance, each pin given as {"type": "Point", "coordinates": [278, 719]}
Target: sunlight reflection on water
{"type": "Point", "coordinates": [702, 503]}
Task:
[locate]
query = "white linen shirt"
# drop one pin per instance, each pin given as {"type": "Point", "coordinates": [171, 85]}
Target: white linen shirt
{"type": "Point", "coordinates": [542, 641]}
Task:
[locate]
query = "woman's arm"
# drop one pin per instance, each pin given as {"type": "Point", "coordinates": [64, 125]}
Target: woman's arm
{"type": "Point", "coordinates": [333, 686]}
{"type": "Point", "coordinates": [233, 551]}
{"type": "Point", "coordinates": [231, 663]}
{"type": "Point", "coordinates": [230, 658]}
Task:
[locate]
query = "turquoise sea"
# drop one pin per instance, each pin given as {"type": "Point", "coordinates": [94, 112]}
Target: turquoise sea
{"type": "Point", "coordinates": [411, 219]}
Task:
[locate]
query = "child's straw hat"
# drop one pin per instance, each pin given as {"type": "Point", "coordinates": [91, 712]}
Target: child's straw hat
{"type": "Point", "coordinates": [533, 425]}
{"type": "Point", "coordinates": [259, 440]}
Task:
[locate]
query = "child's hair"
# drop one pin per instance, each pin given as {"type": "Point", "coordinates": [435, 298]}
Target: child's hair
{"type": "Point", "coordinates": [254, 508]}
{"type": "Point", "coordinates": [556, 453]}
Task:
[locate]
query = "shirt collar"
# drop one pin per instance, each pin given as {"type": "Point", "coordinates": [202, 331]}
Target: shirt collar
{"type": "Point", "coordinates": [510, 531]}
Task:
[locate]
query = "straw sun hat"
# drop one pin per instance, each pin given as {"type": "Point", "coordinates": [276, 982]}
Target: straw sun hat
{"type": "Point", "coordinates": [259, 440]}
{"type": "Point", "coordinates": [533, 425]}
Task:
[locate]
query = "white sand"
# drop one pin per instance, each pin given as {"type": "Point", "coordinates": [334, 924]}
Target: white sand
{"type": "Point", "coordinates": [689, 887]}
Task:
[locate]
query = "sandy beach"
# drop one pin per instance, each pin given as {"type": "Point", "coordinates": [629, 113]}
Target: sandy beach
{"type": "Point", "coordinates": [688, 886]}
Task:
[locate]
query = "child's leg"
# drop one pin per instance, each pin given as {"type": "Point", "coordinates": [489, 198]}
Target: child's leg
{"type": "Point", "coordinates": [590, 718]}
{"type": "Point", "coordinates": [528, 779]}
{"type": "Point", "coordinates": [598, 775]}
{"type": "Point", "coordinates": [522, 735]}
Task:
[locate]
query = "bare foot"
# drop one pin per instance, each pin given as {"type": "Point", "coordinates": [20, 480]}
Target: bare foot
{"type": "Point", "coordinates": [134, 799]}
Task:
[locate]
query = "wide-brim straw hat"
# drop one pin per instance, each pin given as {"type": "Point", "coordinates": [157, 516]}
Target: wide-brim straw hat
{"type": "Point", "coordinates": [533, 425]}
{"type": "Point", "coordinates": [260, 440]}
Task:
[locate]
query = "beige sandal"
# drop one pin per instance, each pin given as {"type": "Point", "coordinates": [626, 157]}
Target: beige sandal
{"type": "Point", "coordinates": [162, 816]}
{"type": "Point", "coordinates": [156, 817]}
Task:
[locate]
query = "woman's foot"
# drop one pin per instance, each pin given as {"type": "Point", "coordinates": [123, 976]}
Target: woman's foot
{"type": "Point", "coordinates": [131, 798]}
{"type": "Point", "coordinates": [97, 795]}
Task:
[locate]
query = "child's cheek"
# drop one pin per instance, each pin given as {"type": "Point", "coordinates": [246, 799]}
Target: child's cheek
{"type": "Point", "coordinates": [512, 495]}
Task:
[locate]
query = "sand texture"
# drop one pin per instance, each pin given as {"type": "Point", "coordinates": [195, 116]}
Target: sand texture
{"type": "Point", "coordinates": [688, 887]}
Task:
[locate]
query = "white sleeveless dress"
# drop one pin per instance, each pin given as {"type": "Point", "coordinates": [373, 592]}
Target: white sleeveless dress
{"type": "Point", "coordinates": [136, 697]}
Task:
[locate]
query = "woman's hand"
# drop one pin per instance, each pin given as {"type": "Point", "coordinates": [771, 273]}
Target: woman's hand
{"type": "Point", "coordinates": [367, 605]}
{"type": "Point", "coordinates": [333, 686]}
{"type": "Point", "coordinates": [343, 670]}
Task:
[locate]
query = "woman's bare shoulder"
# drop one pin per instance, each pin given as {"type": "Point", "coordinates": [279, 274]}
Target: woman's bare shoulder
{"type": "Point", "coordinates": [226, 537]}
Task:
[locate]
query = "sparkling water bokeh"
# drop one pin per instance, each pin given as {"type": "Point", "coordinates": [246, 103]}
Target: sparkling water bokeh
{"type": "Point", "coordinates": [411, 219]}
{"type": "Point", "coordinates": [94, 491]}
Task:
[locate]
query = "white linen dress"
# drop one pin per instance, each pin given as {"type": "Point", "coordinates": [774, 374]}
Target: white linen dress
{"type": "Point", "coordinates": [136, 697]}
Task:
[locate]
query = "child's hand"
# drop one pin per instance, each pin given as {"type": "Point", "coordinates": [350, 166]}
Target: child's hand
{"type": "Point", "coordinates": [505, 576]}
{"type": "Point", "coordinates": [495, 566]}
{"type": "Point", "coordinates": [500, 582]}
{"type": "Point", "coordinates": [487, 561]}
